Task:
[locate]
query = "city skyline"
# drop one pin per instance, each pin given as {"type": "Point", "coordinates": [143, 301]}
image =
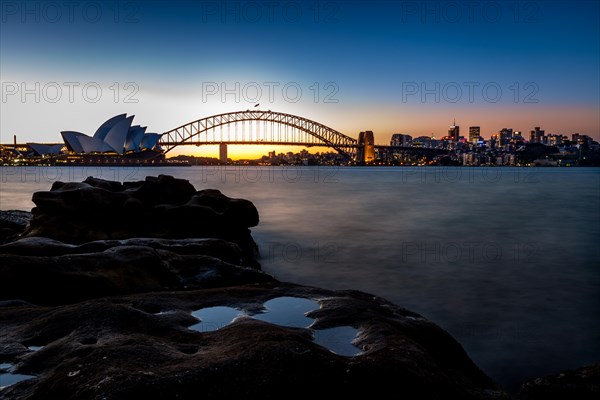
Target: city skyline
{"type": "Point", "coordinates": [386, 67]}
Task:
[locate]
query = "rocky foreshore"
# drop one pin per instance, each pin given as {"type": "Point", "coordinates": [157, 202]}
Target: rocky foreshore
{"type": "Point", "coordinates": [116, 291]}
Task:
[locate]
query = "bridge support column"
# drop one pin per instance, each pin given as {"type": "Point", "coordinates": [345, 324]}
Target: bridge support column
{"type": "Point", "coordinates": [223, 153]}
{"type": "Point", "coordinates": [365, 154]}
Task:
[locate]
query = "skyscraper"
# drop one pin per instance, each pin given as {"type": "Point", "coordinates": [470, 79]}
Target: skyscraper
{"type": "Point", "coordinates": [454, 131]}
{"type": "Point", "coordinates": [474, 133]}
{"type": "Point", "coordinates": [401, 139]}
{"type": "Point", "coordinates": [505, 136]}
{"type": "Point", "coordinates": [535, 136]}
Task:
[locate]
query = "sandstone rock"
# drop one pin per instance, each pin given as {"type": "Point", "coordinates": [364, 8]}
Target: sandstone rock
{"type": "Point", "coordinates": [45, 271]}
{"type": "Point", "coordinates": [580, 384]}
{"type": "Point", "coordinates": [159, 207]}
{"type": "Point", "coordinates": [12, 224]}
{"type": "Point", "coordinates": [139, 346]}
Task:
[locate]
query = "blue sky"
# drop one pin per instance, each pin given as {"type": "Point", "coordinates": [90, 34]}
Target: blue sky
{"type": "Point", "coordinates": [543, 56]}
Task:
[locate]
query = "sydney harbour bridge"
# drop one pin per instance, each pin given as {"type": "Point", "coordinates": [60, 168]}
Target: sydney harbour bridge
{"type": "Point", "coordinates": [276, 128]}
{"type": "Point", "coordinates": [257, 127]}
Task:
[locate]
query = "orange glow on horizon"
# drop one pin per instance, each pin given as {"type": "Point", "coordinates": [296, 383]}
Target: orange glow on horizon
{"type": "Point", "coordinates": [242, 152]}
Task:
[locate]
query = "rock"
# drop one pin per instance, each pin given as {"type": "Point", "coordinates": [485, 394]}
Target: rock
{"type": "Point", "coordinates": [159, 207]}
{"type": "Point", "coordinates": [12, 224]}
{"type": "Point", "coordinates": [46, 271]}
{"type": "Point", "coordinates": [580, 384]}
{"type": "Point", "coordinates": [140, 346]}
{"type": "Point", "coordinates": [45, 247]}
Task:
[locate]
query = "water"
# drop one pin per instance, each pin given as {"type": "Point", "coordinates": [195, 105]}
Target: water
{"type": "Point", "coordinates": [7, 377]}
{"type": "Point", "coordinates": [288, 311]}
{"type": "Point", "coordinates": [505, 259]}
{"type": "Point", "coordinates": [214, 318]}
{"type": "Point", "coordinates": [339, 340]}
{"type": "Point", "coordinates": [285, 311]}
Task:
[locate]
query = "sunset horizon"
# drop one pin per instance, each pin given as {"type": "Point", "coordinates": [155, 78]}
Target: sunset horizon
{"type": "Point", "coordinates": [494, 65]}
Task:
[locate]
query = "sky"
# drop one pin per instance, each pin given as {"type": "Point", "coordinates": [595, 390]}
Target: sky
{"type": "Point", "coordinates": [386, 66]}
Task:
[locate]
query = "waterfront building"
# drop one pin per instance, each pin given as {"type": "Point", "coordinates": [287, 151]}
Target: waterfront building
{"type": "Point", "coordinates": [454, 131]}
{"type": "Point", "coordinates": [474, 134]}
{"type": "Point", "coordinates": [116, 135]}
{"type": "Point", "coordinates": [505, 136]}
{"type": "Point", "coordinates": [536, 135]}
{"type": "Point", "coordinates": [401, 139]}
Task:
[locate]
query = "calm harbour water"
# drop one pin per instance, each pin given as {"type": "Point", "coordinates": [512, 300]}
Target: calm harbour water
{"type": "Point", "coordinates": [505, 259]}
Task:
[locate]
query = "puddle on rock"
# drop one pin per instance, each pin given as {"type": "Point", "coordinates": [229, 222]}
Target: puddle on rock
{"type": "Point", "coordinates": [338, 340]}
{"type": "Point", "coordinates": [7, 378]}
{"type": "Point", "coordinates": [35, 348]}
{"type": "Point", "coordinates": [213, 318]}
{"type": "Point", "coordinates": [284, 311]}
{"type": "Point", "coordinates": [288, 311]}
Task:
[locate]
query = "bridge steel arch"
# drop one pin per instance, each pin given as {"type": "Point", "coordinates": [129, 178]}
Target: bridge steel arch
{"type": "Point", "coordinates": [316, 134]}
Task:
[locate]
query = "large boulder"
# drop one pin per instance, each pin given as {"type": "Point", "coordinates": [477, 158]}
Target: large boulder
{"type": "Point", "coordinates": [158, 207]}
{"type": "Point", "coordinates": [149, 346]}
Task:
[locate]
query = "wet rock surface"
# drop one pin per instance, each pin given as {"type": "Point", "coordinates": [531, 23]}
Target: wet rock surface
{"type": "Point", "coordinates": [141, 346]}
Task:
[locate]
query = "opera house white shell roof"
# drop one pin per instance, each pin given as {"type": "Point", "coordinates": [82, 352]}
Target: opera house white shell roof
{"type": "Point", "coordinates": [114, 135]}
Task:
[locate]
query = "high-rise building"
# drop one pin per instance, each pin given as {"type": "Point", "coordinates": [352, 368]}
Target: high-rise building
{"type": "Point", "coordinates": [505, 136]}
{"type": "Point", "coordinates": [536, 135]}
{"type": "Point", "coordinates": [474, 133]}
{"type": "Point", "coordinates": [578, 138]}
{"type": "Point", "coordinates": [401, 139]}
{"type": "Point", "coordinates": [422, 141]}
{"type": "Point", "coordinates": [553, 140]}
{"type": "Point", "coordinates": [454, 131]}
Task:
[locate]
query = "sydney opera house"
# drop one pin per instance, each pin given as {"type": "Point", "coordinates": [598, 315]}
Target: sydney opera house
{"type": "Point", "coordinates": [116, 135]}
{"type": "Point", "coordinates": [115, 141]}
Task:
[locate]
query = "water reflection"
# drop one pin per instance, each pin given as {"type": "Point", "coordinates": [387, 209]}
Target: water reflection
{"type": "Point", "coordinates": [285, 311]}
{"type": "Point", "coordinates": [213, 318]}
{"type": "Point", "coordinates": [288, 311]}
{"type": "Point", "coordinates": [8, 378]}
